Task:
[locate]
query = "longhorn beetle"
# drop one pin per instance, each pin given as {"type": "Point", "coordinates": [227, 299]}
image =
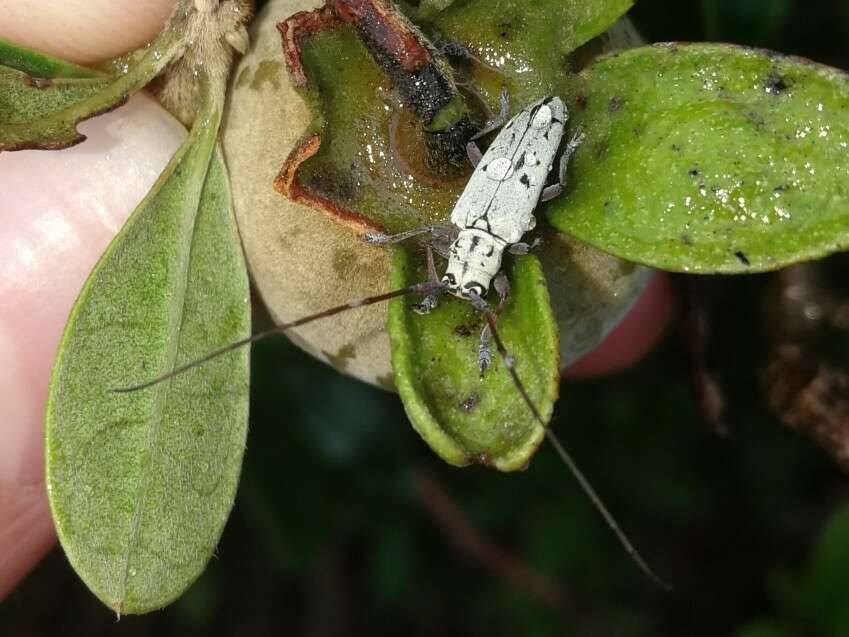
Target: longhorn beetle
{"type": "Point", "coordinates": [494, 212]}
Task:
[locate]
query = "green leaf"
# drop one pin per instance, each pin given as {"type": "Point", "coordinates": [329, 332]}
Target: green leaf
{"type": "Point", "coordinates": [463, 417]}
{"type": "Point", "coordinates": [141, 483]}
{"type": "Point", "coordinates": [38, 64]}
{"type": "Point", "coordinates": [709, 158]}
{"type": "Point", "coordinates": [823, 593]}
{"type": "Point", "coordinates": [43, 113]}
{"type": "Point", "coordinates": [525, 41]}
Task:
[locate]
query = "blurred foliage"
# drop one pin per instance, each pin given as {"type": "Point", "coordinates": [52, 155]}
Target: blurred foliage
{"type": "Point", "coordinates": [814, 602]}
{"type": "Point", "coordinates": [330, 535]}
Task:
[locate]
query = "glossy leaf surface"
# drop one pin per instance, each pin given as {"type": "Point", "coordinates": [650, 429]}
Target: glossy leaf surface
{"type": "Point", "coordinates": [141, 483]}
{"type": "Point", "coordinates": [463, 417]}
{"type": "Point", "coordinates": [709, 158]}
{"type": "Point", "coordinates": [526, 42]}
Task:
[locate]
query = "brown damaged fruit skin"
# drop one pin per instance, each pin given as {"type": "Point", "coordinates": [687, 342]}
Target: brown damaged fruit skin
{"type": "Point", "coordinates": [303, 260]}
{"type": "Point", "coordinates": [300, 260]}
{"type": "Point", "coordinates": [297, 27]}
{"type": "Point", "coordinates": [288, 184]}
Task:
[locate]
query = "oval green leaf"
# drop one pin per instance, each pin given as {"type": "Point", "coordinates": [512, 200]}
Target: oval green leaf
{"type": "Point", "coordinates": [465, 418]}
{"type": "Point", "coordinates": [141, 484]}
{"type": "Point", "coordinates": [709, 158]}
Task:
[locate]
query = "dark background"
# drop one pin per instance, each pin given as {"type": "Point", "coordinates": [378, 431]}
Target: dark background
{"type": "Point", "coordinates": [346, 524]}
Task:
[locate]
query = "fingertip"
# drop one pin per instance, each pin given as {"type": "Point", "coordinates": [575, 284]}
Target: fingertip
{"type": "Point", "coordinates": [635, 335]}
{"type": "Point", "coordinates": [83, 31]}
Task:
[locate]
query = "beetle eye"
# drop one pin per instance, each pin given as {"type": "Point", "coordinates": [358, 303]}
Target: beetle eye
{"type": "Point", "coordinates": [477, 288]}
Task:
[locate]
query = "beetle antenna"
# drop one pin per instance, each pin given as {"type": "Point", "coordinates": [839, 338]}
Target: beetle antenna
{"type": "Point", "coordinates": [419, 288]}
{"type": "Point", "coordinates": [509, 363]}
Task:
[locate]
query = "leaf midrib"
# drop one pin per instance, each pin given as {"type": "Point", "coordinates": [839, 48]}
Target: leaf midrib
{"type": "Point", "coordinates": [201, 141]}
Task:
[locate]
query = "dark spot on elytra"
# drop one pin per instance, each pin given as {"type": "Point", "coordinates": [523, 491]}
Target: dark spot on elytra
{"type": "Point", "coordinates": [615, 104]}
{"type": "Point", "coordinates": [776, 84]}
{"type": "Point", "coordinates": [521, 161]}
{"type": "Point", "coordinates": [742, 258]}
{"type": "Point", "coordinates": [470, 403]}
{"type": "Point", "coordinates": [693, 172]}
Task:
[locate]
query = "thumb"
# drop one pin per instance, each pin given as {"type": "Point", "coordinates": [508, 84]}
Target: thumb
{"type": "Point", "coordinates": [83, 31]}
{"type": "Point", "coordinates": [60, 211]}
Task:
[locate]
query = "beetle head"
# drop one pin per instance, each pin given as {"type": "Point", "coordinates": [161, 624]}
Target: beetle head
{"type": "Point", "coordinates": [474, 259]}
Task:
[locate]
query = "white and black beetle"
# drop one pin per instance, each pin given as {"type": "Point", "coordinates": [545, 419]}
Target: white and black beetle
{"type": "Point", "coordinates": [494, 212]}
{"type": "Point", "coordinates": [496, 208]}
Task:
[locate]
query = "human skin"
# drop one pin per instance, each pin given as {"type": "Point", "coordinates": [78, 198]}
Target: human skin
{"type": "Point", "coordinates": [59, 213]}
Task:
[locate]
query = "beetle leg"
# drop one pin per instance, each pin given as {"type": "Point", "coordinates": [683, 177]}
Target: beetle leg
{"type": "Point", "coordinates": [436, 230]}
{"type": "Point", "coordinates": [442, 246]}
{"type": "Point", "coordinates": [474, 153]}
{"type": "Point", "coordinates": [521, 249]}
{"type": "Point", "coordinates": [431, 266]}
{"type": "Point", "coordinates": [550, 192]}
{"type": "Point", "coordinates": [502, 287]}
{"type": "Point", "coordinates": [428, 304]}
